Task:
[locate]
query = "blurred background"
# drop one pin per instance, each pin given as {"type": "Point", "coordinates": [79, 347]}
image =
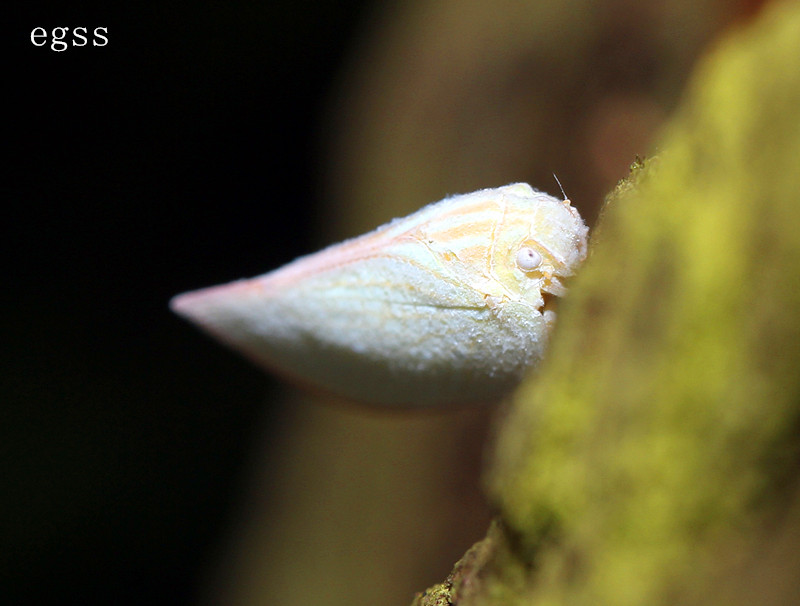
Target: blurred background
{"type": "Point", "coordinates": [142, 463]}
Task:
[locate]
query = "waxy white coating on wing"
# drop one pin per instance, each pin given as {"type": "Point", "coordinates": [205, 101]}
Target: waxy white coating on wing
{"type": "Point", "coordinates": [445, 306]}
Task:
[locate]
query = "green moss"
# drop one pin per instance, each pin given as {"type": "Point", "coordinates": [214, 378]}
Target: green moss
{"type": "Point", "coordinates": [662, 431]}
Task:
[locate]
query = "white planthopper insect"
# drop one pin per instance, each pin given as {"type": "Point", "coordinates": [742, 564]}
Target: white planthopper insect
{"type": "Point", "coordinates": [450, 305]}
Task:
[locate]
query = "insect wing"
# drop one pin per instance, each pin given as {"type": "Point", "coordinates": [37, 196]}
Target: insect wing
{"type": "Point", "coordinates": [405, 315]}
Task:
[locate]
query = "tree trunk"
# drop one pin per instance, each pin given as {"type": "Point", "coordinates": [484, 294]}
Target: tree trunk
{"type": "Point", "coordinates": [654, 458]}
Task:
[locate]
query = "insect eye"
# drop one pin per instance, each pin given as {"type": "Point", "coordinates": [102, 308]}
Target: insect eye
{"type": "Point", "coordinates": [528, 259]}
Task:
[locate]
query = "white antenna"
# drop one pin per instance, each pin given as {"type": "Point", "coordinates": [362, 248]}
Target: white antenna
{"type": "Point", "coordinates": [563, 193]}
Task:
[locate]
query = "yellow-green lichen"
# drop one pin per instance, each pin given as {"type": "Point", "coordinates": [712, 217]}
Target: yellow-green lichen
{"type": "Point", "coordinates": [663, 429]}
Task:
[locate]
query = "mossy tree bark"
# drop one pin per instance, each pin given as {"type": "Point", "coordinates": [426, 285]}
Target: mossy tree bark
{"type": "Point", "coordinates": [655, 456]}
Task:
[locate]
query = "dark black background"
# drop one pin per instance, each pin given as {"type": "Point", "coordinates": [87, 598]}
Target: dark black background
{"type": "Point", "coordinates": [159, 163]}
